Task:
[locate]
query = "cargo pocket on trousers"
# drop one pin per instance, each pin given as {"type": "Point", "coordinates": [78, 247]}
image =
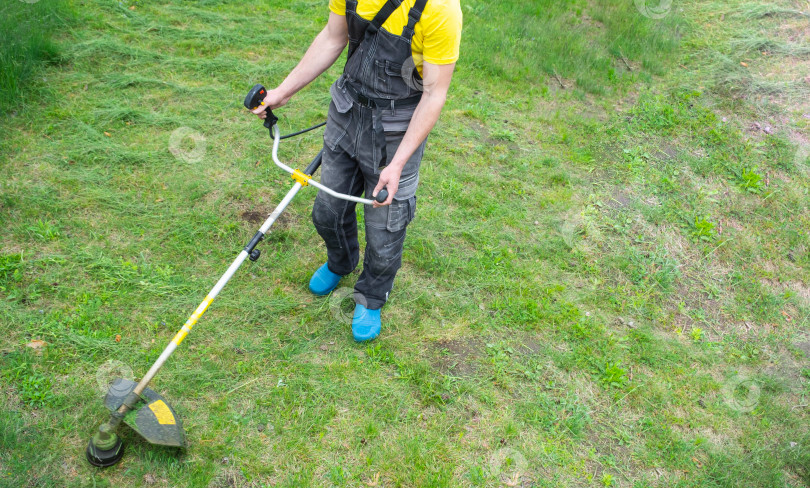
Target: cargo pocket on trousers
{"type": "Point", "coordinates": [337, 125]}
{"type": "Point", "coordinates": [400, 214]}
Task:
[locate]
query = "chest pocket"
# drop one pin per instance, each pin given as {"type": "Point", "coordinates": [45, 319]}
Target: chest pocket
{"type": "Point", "coordinates": [388, 77]}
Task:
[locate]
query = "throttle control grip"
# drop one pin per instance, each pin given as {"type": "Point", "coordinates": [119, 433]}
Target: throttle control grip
{"type": "Point", "coordinates": [255, 99]}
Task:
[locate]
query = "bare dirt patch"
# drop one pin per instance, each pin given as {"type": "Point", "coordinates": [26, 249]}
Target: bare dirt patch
{"type": "Point", "coordinates": [253, 217]}
{"type": "Point", "coordinates": [457, 357]}
{"type": "Point", "coordinates": [487, 138]}
{"type": "Point", "coordinates": [667, 152]}
{"type": "Point", "coordinates": [804, 346]}
{"type": "Point", "coordinates": [801, 290]}
{"type": "Point", "coordinates": [257, 217]}
{"type": "Point", "coordinates": [530, 346]}
{"type": "Point", "coordinates": [230, 478]}
{"type": "Point", "coordinates": [618, 199]}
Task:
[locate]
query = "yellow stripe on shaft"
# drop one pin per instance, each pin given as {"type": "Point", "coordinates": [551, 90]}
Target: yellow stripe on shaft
{"type": "Point", "coordinates": [182, 333]}
{"type": "Point", "coordinates": [179, 337]}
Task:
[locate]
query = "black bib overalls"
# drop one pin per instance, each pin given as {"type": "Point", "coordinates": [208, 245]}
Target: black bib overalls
{"type": "Point", "coordinates": [376, 83]}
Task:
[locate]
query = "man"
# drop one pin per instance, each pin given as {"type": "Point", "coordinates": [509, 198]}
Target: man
{"type": "Point", "coordinates": [401, 58]}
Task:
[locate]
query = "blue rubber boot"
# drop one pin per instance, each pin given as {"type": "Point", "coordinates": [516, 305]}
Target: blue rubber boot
{"type": "Point", "coordinates": [323, 281]}
{"type": "Point", "coordinates": [365, 323]}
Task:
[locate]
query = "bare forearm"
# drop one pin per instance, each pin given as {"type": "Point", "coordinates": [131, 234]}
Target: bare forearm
{"type": "Point", "coordinates": [322, 54]}
{"type": "Point", "coordinates": [424, 119]}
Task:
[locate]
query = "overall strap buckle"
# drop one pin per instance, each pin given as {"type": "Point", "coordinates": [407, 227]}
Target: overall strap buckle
{"type": "Point", "coordinates": [414, 15]}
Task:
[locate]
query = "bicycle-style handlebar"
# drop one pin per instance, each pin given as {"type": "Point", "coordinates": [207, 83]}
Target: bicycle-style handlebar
{"type": "Point", "coordinates": [255, 99]}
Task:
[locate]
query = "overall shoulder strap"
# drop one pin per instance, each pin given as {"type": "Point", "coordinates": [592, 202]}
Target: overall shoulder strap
{"type": "Point", "coordinates": [413, 17]}
{"type": "Point", "coordinates": [383, 15]}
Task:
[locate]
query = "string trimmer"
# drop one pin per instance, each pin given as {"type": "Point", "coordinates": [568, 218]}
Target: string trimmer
{"type": "Point", "coordinates": [144, 410]}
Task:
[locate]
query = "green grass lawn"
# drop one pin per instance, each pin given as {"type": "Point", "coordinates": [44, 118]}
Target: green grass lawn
{"type": "Point", "coordinates": [607, 282]}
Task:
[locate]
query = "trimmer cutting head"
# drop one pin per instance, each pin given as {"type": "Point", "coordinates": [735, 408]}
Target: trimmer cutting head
{"type": "Point", "coordinates": [151, 416]}
{"type": "Point", "coordinates": [104, 457]}
{"type": "Point", "coordinates": [154, 419]}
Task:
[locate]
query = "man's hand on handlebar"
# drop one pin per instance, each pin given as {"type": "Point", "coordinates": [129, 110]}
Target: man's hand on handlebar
{"type": "Point", "coordinates": [273, 100]}
{"type": "Point", "coordinates": [389, 179]}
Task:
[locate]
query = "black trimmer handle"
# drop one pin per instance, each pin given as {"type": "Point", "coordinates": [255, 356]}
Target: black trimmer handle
{"type": "Point", "coordinates": [255, 99]}
{"type": "Point", "coordinates": [382, 196]}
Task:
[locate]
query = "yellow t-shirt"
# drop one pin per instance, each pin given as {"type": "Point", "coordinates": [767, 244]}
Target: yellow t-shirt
{"type": "Point", "coordinates": [437, 35]}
